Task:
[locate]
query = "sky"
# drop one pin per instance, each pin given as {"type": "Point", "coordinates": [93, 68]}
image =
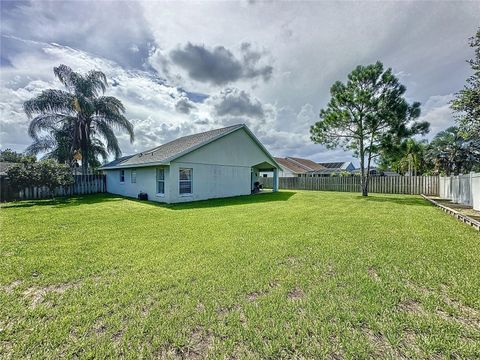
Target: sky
{"type": "Point", "coordinates": [185, 67]}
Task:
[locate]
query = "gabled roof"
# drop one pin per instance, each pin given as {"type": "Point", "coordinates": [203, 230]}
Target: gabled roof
{"type": "Point", "coordinates": [172, 150]}
{"type": "Point", "coordinates": [306, 164]}
{"type": "Point", "coordinates": [293, 167]}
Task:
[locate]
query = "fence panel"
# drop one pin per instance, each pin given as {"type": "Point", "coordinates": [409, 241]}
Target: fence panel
{"type": "Point", "coordinates": [428, 185]}
{"type": "Point", "coordinates": [83, 184]}
{"type": "Point", "coordinates": [461, 189]}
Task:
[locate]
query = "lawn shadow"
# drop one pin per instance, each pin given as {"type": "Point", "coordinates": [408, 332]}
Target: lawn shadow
{"type": "Point", "coordinates": [62, 201]}
{"type": "Point", "coordinates": [78, 200]}
{"type": "Point", "coordinates": [232, 201]}
{"type": "Point", "coordinates": [411, 200]}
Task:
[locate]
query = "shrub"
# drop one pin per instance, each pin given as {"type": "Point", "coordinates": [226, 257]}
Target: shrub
{"type": "Point", "coordinates": [46, 173]}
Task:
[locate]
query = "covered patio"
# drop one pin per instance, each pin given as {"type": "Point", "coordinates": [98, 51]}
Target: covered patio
{"type": "Point", "coordinates": [264, 167]}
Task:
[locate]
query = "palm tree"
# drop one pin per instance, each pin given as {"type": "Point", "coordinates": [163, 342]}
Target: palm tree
{"type": "Point", "coordinates": [412, 159]}
{"type": "Point", "coordinates": [452, 153]}
{"type": "Point", "coordinates": [78, 120]}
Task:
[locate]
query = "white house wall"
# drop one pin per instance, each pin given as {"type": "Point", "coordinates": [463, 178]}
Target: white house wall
{"type": "Point", "coordinates": [146, 182]}
{"type": "Point", "coordinates": [209, 181]}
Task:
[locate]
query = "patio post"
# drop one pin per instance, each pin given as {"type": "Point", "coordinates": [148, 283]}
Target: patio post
{"type": "Point", "coordinates": [275, 180]}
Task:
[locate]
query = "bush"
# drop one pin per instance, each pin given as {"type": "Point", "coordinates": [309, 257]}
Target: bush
{"type": "Point", "coordinates": [46, 173]}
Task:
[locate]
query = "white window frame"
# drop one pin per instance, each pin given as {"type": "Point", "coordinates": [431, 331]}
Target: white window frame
{"type": "Point", "coordinates": [133, 176]}
{"type": "Point", "coordinates": [185, 181]}
{"type": "Point", "coordinates": [157, 181]}
{"type": "Point", "coordinates": [122, 176]}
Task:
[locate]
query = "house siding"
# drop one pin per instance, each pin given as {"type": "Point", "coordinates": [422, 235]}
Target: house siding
{"type": "Point", "coordinates": [146, 182]}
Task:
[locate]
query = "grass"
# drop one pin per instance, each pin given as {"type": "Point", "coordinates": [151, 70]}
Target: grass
{"type": "Point", "coordinates": [282, 275]}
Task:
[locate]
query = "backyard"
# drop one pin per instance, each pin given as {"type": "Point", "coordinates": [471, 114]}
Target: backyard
{"type": "Point", "coordinates": [280, 275]}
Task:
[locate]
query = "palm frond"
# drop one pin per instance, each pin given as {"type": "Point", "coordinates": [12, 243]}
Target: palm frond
{"type": "Point", "coordinates": [44, 122]}
{"type": "Point", "coordinates": [50, 101]}
{"type": "Point", "coordinates": [98, 81]}
{"type": "Point", "coordinates": [63, 73]}
{"type": "Point", "coordinates": [40, 145]}
{"type": "Point", "coordinates": [103, 129]}
{"type": "Point", "coordinates": [117, 121]}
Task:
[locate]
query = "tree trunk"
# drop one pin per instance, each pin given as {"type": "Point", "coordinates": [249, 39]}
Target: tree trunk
{"type": "Point", "coordinates": [362, 167]}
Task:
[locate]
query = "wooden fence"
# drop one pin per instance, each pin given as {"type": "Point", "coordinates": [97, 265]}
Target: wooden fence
{"type": "Point", "coordinates": [428, 185]}
{"type": "Point", "coordinates": [83, 184]}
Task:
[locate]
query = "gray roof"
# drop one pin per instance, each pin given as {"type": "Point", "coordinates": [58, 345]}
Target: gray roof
{"type": "Point", "coordinates": [332, 165]}
{"type": "Point", "coordinates": [165, 153]}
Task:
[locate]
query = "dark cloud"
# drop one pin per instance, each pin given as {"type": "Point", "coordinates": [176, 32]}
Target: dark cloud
{"type": "Point", "coordinates": [113, 30]}
{"type": "Point", "coordinates": [219, 66]}
{"type": "Point", "coordinates": [184, 106]}
{"type": "Point", "coordinates": [237, 103]}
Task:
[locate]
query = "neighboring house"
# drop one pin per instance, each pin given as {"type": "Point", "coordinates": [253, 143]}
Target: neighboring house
{"type": "Point", "coordinates": [218, 163]}
{"type": "Point", "coordinates": [294, 167]}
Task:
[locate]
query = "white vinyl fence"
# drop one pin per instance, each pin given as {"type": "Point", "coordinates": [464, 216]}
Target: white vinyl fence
{"type": "Point", "coordinates": [461, 189]}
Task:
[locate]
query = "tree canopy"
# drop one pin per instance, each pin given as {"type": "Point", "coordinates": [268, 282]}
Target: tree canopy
{"type": "Point", "coordinates": [78, 120]}
{"type": "Point", "coordinates": [366, 114]}
{"type": "Point", "coordinates": [467, 101]}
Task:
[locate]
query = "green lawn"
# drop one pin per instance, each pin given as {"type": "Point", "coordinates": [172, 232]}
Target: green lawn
{"type": "Point", "coordinates": [283, 275]}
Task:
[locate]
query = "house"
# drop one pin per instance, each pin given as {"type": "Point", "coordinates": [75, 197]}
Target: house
{"type": "Point", "coordinates": [218, 163]}
{"type": "Point", "coordinates": [294, 167]}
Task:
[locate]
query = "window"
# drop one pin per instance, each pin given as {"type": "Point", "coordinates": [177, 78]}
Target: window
{"type": "Point", "coordinates": [122, 176]}
{"type": "Point", "coordinates": [134, 176]}
{"type": "Point", "coordinates": [265, 175]}
{"type": "Point", "coordinates": [185, 184]}
{"type": "Point", "coordinates": [160, 181]}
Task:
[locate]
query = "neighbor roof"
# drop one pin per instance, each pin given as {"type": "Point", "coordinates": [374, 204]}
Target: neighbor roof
{"type": "Point", "coordinates": [306, 164]}
{"type": "Point", "coordinates": [290, 165]}
{"type": "Point", "coordinates": [332, 165]}
{"type": "Point", "coordinates": [165, 153]}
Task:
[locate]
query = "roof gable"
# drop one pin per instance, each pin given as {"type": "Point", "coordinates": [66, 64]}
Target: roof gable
{"type": "Point", "coordinates": [172, 150]}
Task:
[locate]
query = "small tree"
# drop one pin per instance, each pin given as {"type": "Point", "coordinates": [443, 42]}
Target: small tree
{"type": "Point", "coordinates": [52, 175]}
{"type": "Point", "coordinates": [46, 173]}
{"type": "Point", "coordinates": [22, 175]}
{"type": "Point", "coordinates": [365, 113]}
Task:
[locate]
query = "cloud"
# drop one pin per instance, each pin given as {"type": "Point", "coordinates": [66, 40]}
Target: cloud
{"type": "Point", "coordinates": [101, 28]}
{"type": "Point", "coordinates": [237, 103]}
{"type": "Point", "coordinates": [438, 113]}
{"type": "Point", "coordinates": [184, 105]}
{"type": "Point", "coordinates": [219, 66]}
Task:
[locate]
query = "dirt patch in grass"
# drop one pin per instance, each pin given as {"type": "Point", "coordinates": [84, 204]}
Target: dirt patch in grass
{"type": "Point", "coordinates": [296, 294]}
{"type": "Point", "coordinates": [36, 294]}
{"type": "Point", "coordinates": [255, 295]}
{"type": "Point", "coordinates": [412, 307]}
{"type": "Point", "coordinates": [380, 344]}
{"type": "Point", "coordinates": [199, 344]}
{"type": "Point", "coordinates": [467, 316]}
{"type": "Point", "coordinates": [10, 287]}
